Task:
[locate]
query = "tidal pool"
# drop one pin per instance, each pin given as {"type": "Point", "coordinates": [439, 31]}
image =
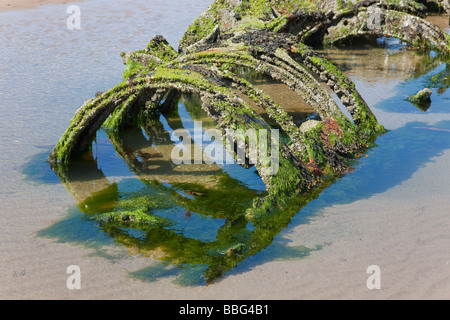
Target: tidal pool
{"type": "Point", "coordinates": [191, 218]}
{"type": "Point", "coordinates": [188, 220]}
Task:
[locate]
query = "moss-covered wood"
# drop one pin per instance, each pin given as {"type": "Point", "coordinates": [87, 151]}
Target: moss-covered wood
{"type": "Point", "coordinates": [270, 38]}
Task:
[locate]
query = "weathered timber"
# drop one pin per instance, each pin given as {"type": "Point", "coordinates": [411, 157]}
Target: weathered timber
{"type": "Point", "coordinates": [270, 38]}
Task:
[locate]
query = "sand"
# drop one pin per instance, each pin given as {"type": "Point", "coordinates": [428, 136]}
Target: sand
{"type": "Point", "coordinates": [404, 231]}
{"type": "Point", "coordinates": [11, 5]}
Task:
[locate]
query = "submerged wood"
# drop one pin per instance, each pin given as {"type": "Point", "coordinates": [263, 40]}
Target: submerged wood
{"type": "Point", "coordinates": [269, 38]}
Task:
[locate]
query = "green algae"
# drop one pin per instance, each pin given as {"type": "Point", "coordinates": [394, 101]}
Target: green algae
{"type": "Point", "coordinates": [145, 220]}
{"type": "Point", "coordinates": [132, 68]}
{"type": "Point", "coordinates": [184, 257]}
{"type": "Point", "coordinates": [364, 117]}
{"type": "Point", "coordinates": [309, 162]}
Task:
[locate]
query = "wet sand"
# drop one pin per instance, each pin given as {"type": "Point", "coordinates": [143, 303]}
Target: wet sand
{"type": "Point", "coordinates": [11, 5]}
{"type": "Point", "coordinates": [403, 230]}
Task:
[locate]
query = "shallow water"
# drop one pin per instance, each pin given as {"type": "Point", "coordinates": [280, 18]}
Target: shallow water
{"type": "Point", "coordinates": [48, 71]}
{"type": "Point", "coordinates": [377, 68]}
{"type": "Point", "coordinates": [193, 217]}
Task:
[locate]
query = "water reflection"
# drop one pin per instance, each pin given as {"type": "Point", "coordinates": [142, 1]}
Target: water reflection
{"type": "Point", "coordinates": [294, 105]}
{"type": "Point", "coordinates": [385, 61]}
{"type": "Point", "coordinates": [191, 218]}
{"type": "Point", "coordinates": [389, 72]}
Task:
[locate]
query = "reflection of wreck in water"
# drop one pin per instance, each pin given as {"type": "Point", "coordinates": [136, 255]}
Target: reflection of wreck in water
{"type": "Point", "coordinates": [152, 159]}
{"type": "Point", "coordinates": [187, 216]}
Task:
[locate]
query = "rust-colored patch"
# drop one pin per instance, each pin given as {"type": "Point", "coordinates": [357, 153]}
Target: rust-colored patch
{"type": "Point", "coordinates": [330, 126]}
{"type": "Point", "coordinates": [283, 10]}
{"type": "Point", "coordinates": [210, 50]}
{"type": "Point", "coordinates": [231, 251]}
{"type": "Point", "coordinates": [312, 166]}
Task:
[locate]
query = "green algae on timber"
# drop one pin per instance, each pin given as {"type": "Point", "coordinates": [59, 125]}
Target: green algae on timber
{"type": "Point", "coordinates": [205, 72]}
{"type": "Point", "coordinates": [441, 80]}
{"type": "Point", "coordinates": [252, 32]}
{"type": "Point", "coordinates": [194, 219]}
{"type": "Point", "coordinates": [194, 223]}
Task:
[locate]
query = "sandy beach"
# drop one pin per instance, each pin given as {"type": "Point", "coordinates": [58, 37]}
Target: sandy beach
{"type": "Point", "coordinates": [403, 229]}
